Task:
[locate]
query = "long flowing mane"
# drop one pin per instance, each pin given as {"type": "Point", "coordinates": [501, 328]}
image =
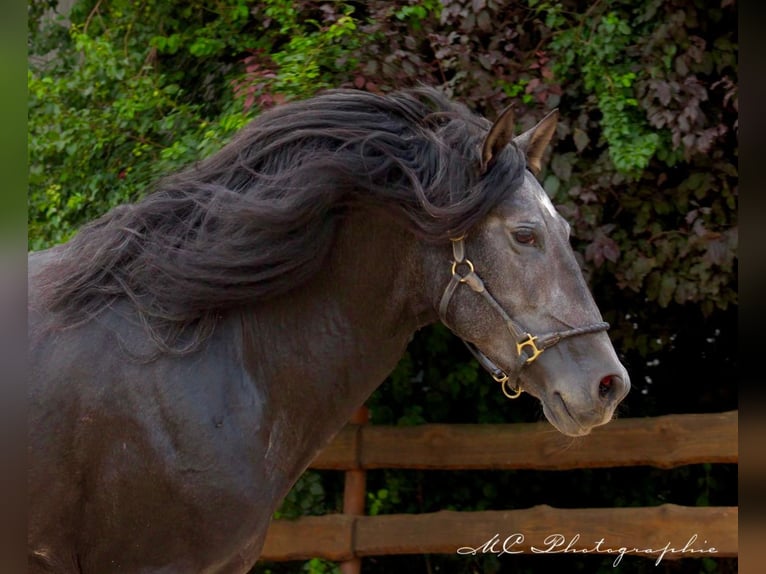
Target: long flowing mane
{"type": "Point", "coordinates": [257, 219]}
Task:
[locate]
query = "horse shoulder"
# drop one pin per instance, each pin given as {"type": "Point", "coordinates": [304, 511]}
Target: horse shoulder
{"type": "Point", "coordinates": [173, 445]}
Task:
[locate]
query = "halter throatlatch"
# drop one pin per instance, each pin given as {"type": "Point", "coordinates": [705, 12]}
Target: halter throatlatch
{"type": "Point", "coordinates": [528, 346]}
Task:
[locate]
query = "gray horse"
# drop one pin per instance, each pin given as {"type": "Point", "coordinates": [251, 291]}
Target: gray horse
{"type": "Point", "coordinates": [192, 353]}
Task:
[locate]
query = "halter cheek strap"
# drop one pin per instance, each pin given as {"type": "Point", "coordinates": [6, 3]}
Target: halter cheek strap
{"type": "Point", "coordinates": [528, 347]}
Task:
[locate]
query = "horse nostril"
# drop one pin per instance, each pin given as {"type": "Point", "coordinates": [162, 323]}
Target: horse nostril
{"type": "Point", "coordinates": [613, 388]}
{"type": "Point", "coordinates": [605, 386]}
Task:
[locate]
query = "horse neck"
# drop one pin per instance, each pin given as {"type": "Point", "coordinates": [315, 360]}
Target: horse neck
{"type": "Point", "coordinates": [318, 352]}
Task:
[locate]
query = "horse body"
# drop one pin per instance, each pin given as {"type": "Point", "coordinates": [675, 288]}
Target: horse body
{"type": "Point", "coordinates": [147, 460]}
{"type": "Point", "coordinates": [176, 463]}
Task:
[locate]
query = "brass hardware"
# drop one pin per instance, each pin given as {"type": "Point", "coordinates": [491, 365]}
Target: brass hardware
{"type": "Point", "coordinates": [529, 342]}
{"type": "Point", "coordinates": [503, 379]}
{"type": "Point", "coordinates": [514, 393]}
{"type": "Point", "coordinates": [465, 262]}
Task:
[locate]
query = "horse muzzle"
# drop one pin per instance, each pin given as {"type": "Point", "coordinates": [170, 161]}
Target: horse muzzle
{"type": "Point", "coordinates": [575, 409]}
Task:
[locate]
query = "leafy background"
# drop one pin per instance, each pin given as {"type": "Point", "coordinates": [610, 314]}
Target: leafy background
{"type": "Point", "coordinates": [644, 167]}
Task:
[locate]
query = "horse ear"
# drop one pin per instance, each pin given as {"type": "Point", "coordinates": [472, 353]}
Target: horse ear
{"type": "Point", "coordinates": [499, 136]}
{"type": "Point", "coordinates": [534, 141]}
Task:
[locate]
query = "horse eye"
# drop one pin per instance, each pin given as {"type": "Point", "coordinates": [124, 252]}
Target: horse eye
{"type": "Point", "coordinates": [524, 236]}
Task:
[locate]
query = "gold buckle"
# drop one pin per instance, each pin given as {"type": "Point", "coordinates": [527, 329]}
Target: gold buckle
{"type": "Point", "coordinates": [529, 342]}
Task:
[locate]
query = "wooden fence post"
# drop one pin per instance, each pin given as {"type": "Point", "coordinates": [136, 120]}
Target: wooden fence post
{"type": "Point", "coordinates": [354, 488]}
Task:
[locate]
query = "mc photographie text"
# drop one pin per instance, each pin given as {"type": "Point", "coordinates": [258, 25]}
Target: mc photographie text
{"type": "Point", "coordinates": [560, 544]}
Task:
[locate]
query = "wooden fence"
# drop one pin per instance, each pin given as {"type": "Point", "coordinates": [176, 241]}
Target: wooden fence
{"type": "Point", "coordinates": [664, 442]}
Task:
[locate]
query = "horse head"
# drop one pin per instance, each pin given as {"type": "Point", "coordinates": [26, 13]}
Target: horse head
{"type": "Point", "coordinates": [516, 295]}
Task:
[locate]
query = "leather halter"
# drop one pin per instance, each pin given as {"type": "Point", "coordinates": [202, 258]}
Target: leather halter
{"type": "Point", "coordinates": [527, 345]}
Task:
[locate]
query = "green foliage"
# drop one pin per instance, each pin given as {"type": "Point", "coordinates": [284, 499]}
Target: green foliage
{"type": "Point", "coordinates": [304, 54]}
{"type": "Point", "coordinates": [414, 14]}
{"type": "Point", "coordinates": [602, 54]}
{"type": "Point", "coordinates": [306, 497]}
{"type": "Point", "coordinates": [138, 90]}
{"type": "Point", "coordinates": [673, 236]}
{"type": "Point", "coordinates": [313, 566]}
{"type": "Point", "coordinates": [103, 123]}
{"type": "Point", "coordinates": [319, 566]}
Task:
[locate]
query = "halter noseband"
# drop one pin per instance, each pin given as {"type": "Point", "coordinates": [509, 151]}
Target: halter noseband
{"type": "Point", "coordinates": [526, 344]}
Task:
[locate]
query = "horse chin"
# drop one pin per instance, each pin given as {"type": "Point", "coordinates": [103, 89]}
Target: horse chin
{"type": "Point", "coordinates": [556, 411]}
{"type": "Point", "coordinates": [560, 417]}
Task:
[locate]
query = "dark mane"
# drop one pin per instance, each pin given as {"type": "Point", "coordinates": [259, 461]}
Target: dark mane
{"type": "Point", "coordinates": [257, 218]}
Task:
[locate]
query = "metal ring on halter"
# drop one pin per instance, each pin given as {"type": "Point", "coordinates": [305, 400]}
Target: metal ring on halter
{"type": "Point", "coordinates": [514, 394]}
{"type": "Point", "coordinates": [464, 262]}
{"type": "Point", "coordinates": [504, 379]}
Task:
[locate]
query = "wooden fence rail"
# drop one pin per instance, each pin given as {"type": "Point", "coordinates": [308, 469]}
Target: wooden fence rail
{"type": "Point", "coordinates": [342, 537]}
{"type": "Point", "coordinates": [663, 442]}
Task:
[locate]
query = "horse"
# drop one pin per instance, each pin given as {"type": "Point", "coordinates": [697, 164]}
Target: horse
{"type": "Point", "coordinates": [192, 352]}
